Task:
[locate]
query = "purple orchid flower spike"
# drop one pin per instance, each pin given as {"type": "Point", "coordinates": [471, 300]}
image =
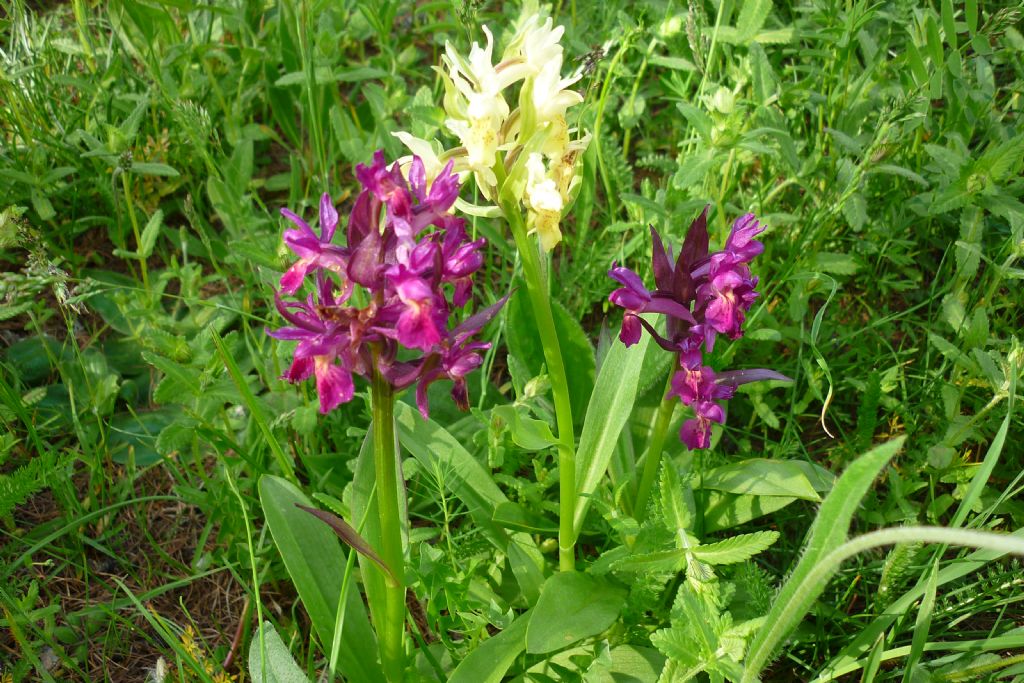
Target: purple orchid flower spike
{"type": "Point", "coordinates": [701, 295]}
{"type": "Point", "coordinates": [404, 248]}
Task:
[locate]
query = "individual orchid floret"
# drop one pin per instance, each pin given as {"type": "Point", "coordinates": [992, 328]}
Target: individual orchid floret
{"type": "Point", "coordinates": [534, 45]}
{"type": "Point", "coordinates": [414, 262]}
{"type": "Point", "coordinates": [544, 202]}
{"type": "Point", "coordinates": [320, 344]}
{"type": "Point", "coordinates": [550, 94]}
{"type": "Point", "coordinates": [701, 295]}
{"type": "Point", "coordinates": [459, 356]}
{"type": "Point", "coordinates": [698, 389]}
{"type": "Point", "coordinates": [313, 251]}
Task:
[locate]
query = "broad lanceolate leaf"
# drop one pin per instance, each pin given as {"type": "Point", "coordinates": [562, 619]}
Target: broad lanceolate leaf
{"type": "Point", "coordinates": [752, 17]}
{"type": "Point", "coordinates": [489, 662]}
{"type": "Point", "coordinates": [146, 168]}
{"type": "Point", "coordinates": [275, 663]}
{"type": "Point", "coordinates": [150, 234]}
{"type": "Point", "coordinates": [316, 563]}
{"type": "Point", "coordinates": [608, 411]}
{"type": "Point", "coordinates": [528, 433]}
{"type": "Point", "coordinates": [762, 477]}
{"type": "Point", "coordinates": [827, 533]}
{"type": "Point", "coordinates": [735, 549]}
{"type": "Point", "coordinates": [572, 606]}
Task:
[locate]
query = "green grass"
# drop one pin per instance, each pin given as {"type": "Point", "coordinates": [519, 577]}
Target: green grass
{"type": "Point", "coordinates": [146, 148]}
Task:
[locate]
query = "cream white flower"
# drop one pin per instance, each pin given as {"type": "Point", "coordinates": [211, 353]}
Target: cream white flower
{"type": "Point", "coordinates": [550, 97]}
{"type": "Point", "coordinates": [424, 150]}
{"type": "Point", "coordinates": [533, 46]}
{"type": "Point", "coordinates": [544, 200]}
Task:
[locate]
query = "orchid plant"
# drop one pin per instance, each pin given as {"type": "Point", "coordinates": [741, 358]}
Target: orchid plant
{"type": "Point", "coordinates": [527, 162]}
{"type": "Point", "coordinates": [701, 295]}
{"type": "Point", "coordinates": [412, 263]}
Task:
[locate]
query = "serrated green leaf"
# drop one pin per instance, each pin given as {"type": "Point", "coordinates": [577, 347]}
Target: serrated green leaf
{"type": "Point", "coordinates": [677, 504]}
{"type": "Point", "coordinates": [176, 436]}
{"type": "Point", "coordinates": [736, 549]}
{"type": "Point", "coordinates": [893, 169]}
{"type": "Point", "coordinates": [678, 645]}
{"type": "Point", "coordinates": [658, 561]}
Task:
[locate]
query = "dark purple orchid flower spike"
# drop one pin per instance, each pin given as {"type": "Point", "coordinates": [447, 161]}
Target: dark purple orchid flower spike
{"type": "Point", "coordinates": [415, 271]}
{"type": "Point", "coordinates": [701, 296]}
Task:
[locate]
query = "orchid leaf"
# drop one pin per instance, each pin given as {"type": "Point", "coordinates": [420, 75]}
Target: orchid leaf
{"type": "Point", "coordinates": [351, 537]}
{"type": "Point", "coordinates": [609, 410]}
{"type": "Point", "coordinates": [314, 561]}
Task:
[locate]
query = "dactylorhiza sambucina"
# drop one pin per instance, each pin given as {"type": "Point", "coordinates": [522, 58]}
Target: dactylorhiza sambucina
{"type": "Point", "coordinates": [532, 145]}
{"type": "Point", "coordinates": [414, 272]}
{"type": "Point", "coordinates": [701, 295]}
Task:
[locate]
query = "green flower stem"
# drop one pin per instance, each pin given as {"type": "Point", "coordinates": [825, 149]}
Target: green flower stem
{"type": "Point", "coordinates": [135, 228]}
{"type": "Point", "coordinates": [389, 634]}
{"type": "Point", "coordinates": [652, 461]}
{"type": "Point", "coordinates": [537, 289]}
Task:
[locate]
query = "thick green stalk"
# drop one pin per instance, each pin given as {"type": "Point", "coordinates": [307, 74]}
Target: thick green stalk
{"type": "Point", "coordinates": [389, 634]}
{"type": "Point", "coordinates": [652, 461]}
{"type": "Point", "coordinates": [537, 289]}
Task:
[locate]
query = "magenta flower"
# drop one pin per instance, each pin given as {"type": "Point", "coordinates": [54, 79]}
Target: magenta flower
{"type": "Point", "coordinates": [414, 270]}
{"type": "Point", "coordinates": [314, 252]}
{"type": "Point", "coordinates": [701, 296]}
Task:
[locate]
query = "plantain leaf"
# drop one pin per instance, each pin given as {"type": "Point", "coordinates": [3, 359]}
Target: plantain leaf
{"type": "Point", "coordinates": [275, 663]}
